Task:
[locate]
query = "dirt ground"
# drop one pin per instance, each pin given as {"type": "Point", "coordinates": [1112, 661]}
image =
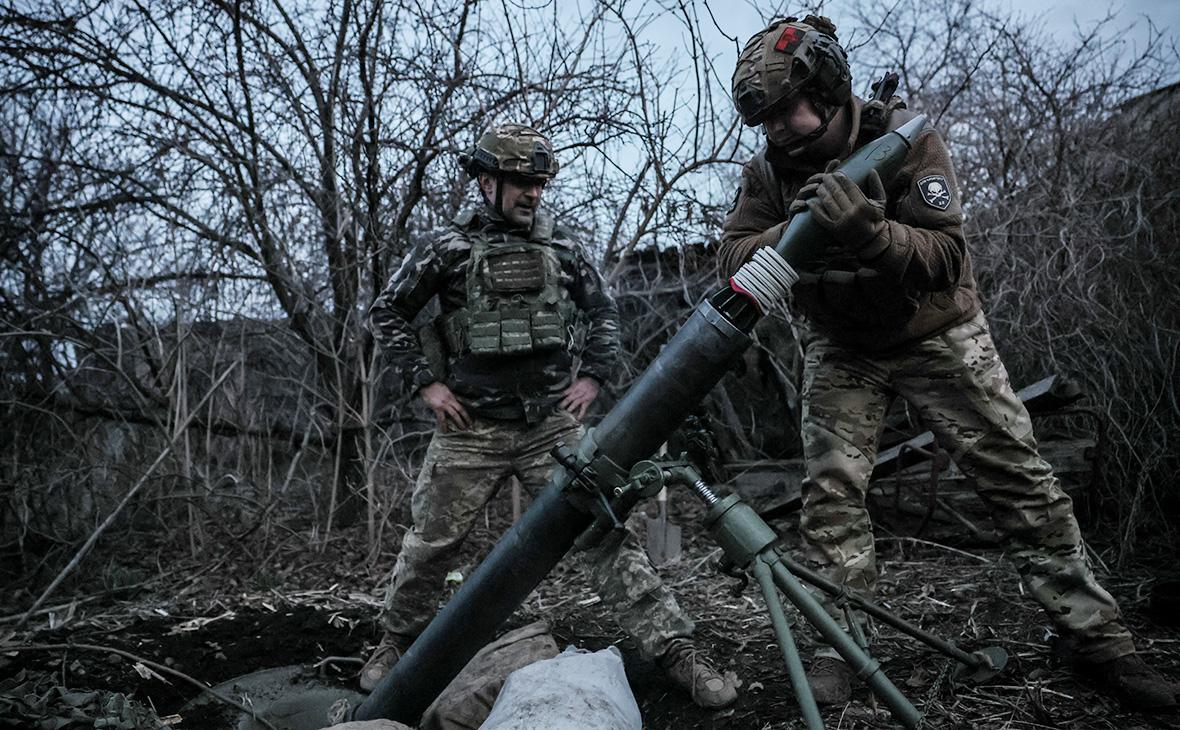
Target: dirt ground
{"type": "Point", "coordinates": [213, 620]}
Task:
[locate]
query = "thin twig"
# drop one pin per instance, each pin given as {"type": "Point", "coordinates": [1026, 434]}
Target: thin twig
{"type": "Point", "coordinates": [939, 545]}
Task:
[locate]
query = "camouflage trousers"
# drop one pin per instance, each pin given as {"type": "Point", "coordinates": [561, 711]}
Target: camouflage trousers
{"type": "Point", "coordinates": [465, 469]}
{"type": "Point", "coordinates": [960, 388]}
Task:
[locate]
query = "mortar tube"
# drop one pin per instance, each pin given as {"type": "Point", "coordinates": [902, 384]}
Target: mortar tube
{"type": "Point", "coordinates": [684, 372]}
{"type": "Point", "coordinates": [518, 563]}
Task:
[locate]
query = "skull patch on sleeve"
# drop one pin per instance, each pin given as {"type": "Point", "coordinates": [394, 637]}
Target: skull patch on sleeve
{"type": "Point", "coordinates": [935, 191]}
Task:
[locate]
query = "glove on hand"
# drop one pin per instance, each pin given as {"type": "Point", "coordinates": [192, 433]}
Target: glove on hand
{"type": "Point", "coordinates": [799, 204]}
{"type": "Point", "coordinates": [843, 204]}
{"type": "Point", "coordinates": [853, 218]}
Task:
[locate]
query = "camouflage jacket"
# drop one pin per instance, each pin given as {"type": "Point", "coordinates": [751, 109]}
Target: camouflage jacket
{"type": "Point", "coordinates": [524, 386]}
{"type": "Point", "coordinates": [924, 284]}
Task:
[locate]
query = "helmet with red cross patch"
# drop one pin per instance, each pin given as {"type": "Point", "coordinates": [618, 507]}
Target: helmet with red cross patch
{"type": "Point", "coordinates": [788, 58]}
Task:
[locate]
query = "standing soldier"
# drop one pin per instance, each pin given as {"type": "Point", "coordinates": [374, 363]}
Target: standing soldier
{"type": "Point", "coordinates": [514, 287]}
{"type": "Point", "coordinates": [895, 312]}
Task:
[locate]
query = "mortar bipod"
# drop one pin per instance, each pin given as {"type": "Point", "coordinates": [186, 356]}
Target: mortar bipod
{"type": "Point", "coordinates": [750, 544]}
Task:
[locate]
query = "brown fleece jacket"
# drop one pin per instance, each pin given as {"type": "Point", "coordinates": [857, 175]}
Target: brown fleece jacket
{"type": "Point", "coordinates": [920, 281]}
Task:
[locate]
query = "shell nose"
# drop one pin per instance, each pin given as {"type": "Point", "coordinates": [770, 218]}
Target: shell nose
{"type": "Point", "coordinates": [910, 130]}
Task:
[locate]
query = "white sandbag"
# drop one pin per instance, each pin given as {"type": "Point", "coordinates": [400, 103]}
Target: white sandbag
{"type": "Point", "coordinates": [370, 725]}
{"type": "Point", "coordinates": [576, 689]}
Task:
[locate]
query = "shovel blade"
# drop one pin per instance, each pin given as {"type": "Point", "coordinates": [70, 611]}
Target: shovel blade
{"type": "Point", "coordinates": [663, 540]}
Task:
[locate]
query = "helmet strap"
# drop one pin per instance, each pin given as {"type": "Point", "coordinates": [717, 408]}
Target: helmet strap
{"type": "Point", "coordinates": [496, 201]}
{"type": "Point", "coordinates": [499, 203]}
{"type": "Point", "coordinates": [829, 113]}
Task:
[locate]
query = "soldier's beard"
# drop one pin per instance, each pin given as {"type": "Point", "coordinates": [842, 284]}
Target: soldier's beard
{"type": "Point", "coordinates": [517, 207]}
{"type": "Point", "coordinates": [515, 210]}
{"type": "Point", "coordinates": [520, 215]}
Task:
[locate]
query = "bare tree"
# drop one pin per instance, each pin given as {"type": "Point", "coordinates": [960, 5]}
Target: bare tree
{"type": "Point", "coordinates": [275, 161]}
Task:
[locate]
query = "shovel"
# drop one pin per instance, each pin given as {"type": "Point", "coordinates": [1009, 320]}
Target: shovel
{"type": "Point", "coordinates": [663, 537]}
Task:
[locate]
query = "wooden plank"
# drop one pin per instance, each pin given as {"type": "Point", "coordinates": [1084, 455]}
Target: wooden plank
{"type": "Point", "coordinates": [773, 487]}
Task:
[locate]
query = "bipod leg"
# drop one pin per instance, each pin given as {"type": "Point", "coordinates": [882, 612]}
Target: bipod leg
{"type": "Point", "coordinates": [786, 642]}
{"type": "Point", "coordinates": [982, 664]}
{"type": "Point", "coordinates": [866, 668]}
{"type": "Point", "coordinates": [854, 629]}
{"type": "Point", "coordinates": [749, 542]}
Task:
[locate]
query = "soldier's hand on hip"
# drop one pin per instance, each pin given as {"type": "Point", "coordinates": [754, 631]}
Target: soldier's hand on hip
{"type": "Point", "coordinates": [578, 397]}
{"type": "Point", "coordinates": [853, 218]}
{"type": "Point", "coordinates": [447, 408]}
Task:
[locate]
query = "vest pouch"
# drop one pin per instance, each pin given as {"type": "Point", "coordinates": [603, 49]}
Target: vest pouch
{"type": "Point", "coordinates": [516, 302]}
{"type": "Point", "coordinates": [548, 330]}
{"type": "Point", "coordinates": [514, 269]}
{"type": "Point", "coordinates": [483, 333]}
{"type": "Point", "coordinates": [515, 332]}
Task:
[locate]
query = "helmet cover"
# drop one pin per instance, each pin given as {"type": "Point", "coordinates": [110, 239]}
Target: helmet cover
{"type": "Point", "coordinates": [788, 58]}
{"type": "Point", "coordinates": [511, 149]}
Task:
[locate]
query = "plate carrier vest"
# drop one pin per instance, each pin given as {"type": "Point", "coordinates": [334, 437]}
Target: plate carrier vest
{"type": "Point", "coordinates": [516, 303]}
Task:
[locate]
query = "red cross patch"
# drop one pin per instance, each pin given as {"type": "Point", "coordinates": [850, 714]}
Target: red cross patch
{"type": "Point", "coordinates": [790, 38]}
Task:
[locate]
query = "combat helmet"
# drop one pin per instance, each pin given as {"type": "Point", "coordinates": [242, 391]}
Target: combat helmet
{"type": "Point", "coordinates": [511, 149]}
{"type": "Point", "coordinates": [788, 58]}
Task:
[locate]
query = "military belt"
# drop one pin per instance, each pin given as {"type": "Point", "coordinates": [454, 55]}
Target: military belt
{"type": "Point", "coordinates": [507, 412]}
{"type": "Point", "coordinates": [508, 374]}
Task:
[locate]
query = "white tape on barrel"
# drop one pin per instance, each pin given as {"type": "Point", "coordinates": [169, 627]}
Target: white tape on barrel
{"type": "Point", "coordinates": [767, 278]}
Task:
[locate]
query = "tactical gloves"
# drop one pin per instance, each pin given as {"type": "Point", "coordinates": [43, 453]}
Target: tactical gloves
{"type": "Point", "coordinates": [854, 219]}
{"type": "Point", "coordinates": [807, 192]}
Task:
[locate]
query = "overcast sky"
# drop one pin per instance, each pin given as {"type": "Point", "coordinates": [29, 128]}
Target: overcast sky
{"type": "Point", "coordinates": [1061, 16]}
{"type": "Point", "coordinates": [1064, 17]}
{"type": "Point", "coordinates": [742, 19]}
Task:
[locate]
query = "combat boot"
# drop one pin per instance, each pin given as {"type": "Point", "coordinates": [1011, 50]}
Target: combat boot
{"type": "Point", "coordinates": [389, 650]}
{"type": "Point", "coordinates": [1133, 683]}
{"type": "Point", "coordinates": [830, 680]}
{"type": "Point", "coordinates": [684, 666]}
